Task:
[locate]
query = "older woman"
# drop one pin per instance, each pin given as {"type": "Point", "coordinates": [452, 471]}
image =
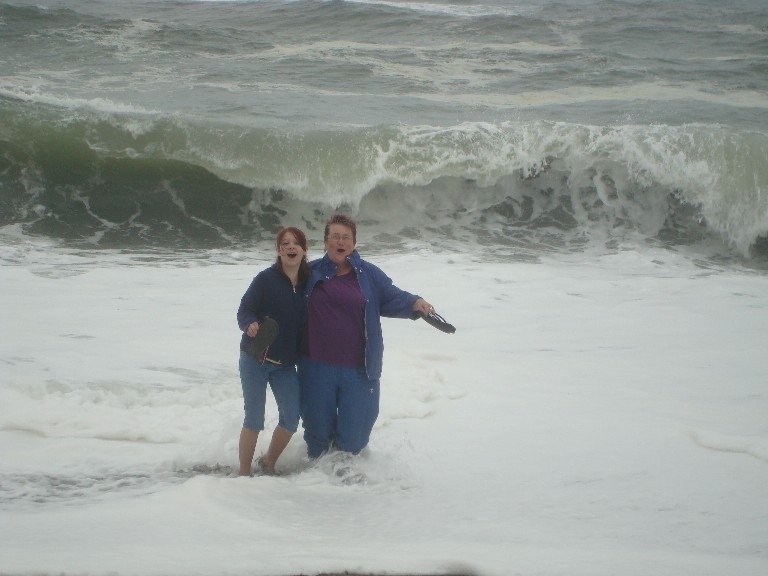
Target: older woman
{"type": "Point", "coordinates": [342, 348]}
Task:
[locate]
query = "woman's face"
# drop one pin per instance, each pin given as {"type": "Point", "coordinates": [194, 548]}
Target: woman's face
{"type": "Point", "coordinates": [339, 244]}
{"type": "Point", "coordinates": [289, 250]}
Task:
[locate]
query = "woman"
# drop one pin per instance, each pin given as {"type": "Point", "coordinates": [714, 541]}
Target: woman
{"type": "Point", "coordinates": [342, 348]}
{"type": "Point", "coordinates": [274, 296]}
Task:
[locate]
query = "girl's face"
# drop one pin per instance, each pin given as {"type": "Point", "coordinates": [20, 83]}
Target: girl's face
{"type": "Point", "coordinates": [289, 250]}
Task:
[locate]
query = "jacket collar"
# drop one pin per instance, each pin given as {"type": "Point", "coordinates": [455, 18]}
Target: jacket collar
{"type": "Point", "coordinates": [328, 267]}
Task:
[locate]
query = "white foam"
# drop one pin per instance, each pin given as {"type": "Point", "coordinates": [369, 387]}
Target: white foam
{"type": "Point", "coordinates": [456, 10]}
{"type": "Point", "coordinates": [592, 415]}
{"type": "Point", "coordinates": [36, 91]}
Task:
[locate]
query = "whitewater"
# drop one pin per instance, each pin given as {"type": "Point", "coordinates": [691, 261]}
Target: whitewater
{"type": "Point", "coordinates": [599, 415]}
{"type": "Point", "coordinates": [580, 187]}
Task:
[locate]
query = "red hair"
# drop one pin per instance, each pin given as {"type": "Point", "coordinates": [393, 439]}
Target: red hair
{"type": "Point", "coordinates": [298, 234]}
{"type": "Point", "coordinates": [301, 238]}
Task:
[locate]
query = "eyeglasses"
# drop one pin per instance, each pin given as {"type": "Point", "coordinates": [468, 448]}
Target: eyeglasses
{"type": "Point", "coordinates": [337, 237]}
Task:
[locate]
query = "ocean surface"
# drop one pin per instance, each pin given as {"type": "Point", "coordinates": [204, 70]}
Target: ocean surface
{"type": "Point", "coordinates": [510, 129]}
{"type": "Point", "coordinates": [579, 186]}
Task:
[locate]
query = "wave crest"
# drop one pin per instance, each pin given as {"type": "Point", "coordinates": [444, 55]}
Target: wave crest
{"type": "Point", "coordinates": [119, 179]}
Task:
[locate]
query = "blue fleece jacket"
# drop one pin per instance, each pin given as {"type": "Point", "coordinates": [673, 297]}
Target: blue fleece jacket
{"type": "Point", "coordinates": [271, 294]}
{"type": "Point", "coordinates": [382, 298]}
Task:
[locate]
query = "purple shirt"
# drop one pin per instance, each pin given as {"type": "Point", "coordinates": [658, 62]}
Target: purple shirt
{"type": "Point", "coordinates": [336, 322]}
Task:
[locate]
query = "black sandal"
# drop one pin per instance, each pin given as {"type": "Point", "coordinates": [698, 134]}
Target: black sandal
{"type": "Point", "coordinates": [434, 319]}
{"type": "Point", "coordinates": [257, 346]}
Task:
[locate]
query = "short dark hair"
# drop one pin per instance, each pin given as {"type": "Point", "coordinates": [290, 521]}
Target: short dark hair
{"type": "Point", "coordinates": [344, 220]}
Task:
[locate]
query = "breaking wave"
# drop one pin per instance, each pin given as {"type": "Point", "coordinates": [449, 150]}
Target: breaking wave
{"type": "Point", "coordinates": [132, 178]}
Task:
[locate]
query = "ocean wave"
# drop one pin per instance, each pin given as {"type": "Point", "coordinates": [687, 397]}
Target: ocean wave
{"type": "Point", "coordinates": [113, 179]}
{"type": "Point", "coordinates": [456, 10]}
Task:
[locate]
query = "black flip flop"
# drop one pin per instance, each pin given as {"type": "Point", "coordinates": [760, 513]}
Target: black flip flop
{"type": "Point", "coordinates": [434, 319]}
{"type": "Point", "coordinates": [257, 346]}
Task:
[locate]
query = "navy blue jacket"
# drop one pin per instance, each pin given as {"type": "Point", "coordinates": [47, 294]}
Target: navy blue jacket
{"type": "Point", "coordinates": [382, 298]}
{"type": "Point", "coordinates": [271, 294]}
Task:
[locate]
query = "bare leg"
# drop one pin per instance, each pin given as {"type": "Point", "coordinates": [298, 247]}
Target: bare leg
{"type": "Point", "coordinates": [280, 439]}
{"type": "Point", "coordinates": [248, 440]}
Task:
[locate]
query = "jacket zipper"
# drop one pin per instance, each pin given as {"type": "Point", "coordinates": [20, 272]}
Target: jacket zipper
{"type": "Point", "coordinates": [365, 322]}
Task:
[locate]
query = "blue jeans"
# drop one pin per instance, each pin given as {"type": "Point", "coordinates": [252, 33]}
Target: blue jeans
{"type": "Point", "coordinates": [339, 407]}
{"type": "Point", "coordinates": [285, 387]}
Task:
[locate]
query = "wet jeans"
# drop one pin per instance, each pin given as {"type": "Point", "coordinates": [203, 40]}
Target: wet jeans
{"type": "Point", "coordinates": [284, 382]}
{"type": "Point", "coordinates": [339, 406]}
